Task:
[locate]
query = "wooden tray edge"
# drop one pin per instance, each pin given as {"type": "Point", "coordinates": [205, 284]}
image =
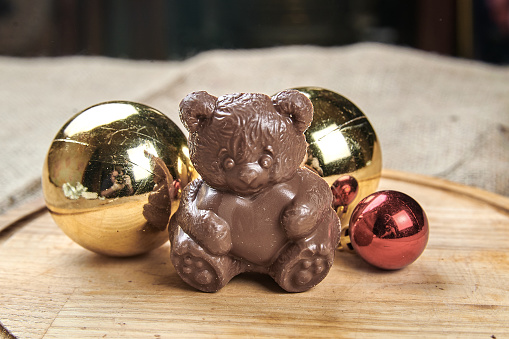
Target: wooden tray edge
{"type": "Point", "coordinates": [497, 201]}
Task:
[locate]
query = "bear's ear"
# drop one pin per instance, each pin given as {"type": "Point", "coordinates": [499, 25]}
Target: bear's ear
{"type": "Point", "coordinates": [297, 106]}
{"type": "Point", "coordinates": [195, 108]}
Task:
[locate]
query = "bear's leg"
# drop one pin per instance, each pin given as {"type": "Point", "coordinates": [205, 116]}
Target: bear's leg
{"type": "Point", "coordinates": [300, 269]}
{"type": "Point", "coordinates": [197, 267]}
{"type": "Point", "coordinates": [308, 261]}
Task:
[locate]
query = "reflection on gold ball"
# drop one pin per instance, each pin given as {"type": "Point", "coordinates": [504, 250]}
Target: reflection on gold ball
{"type": "Point", "coordinates": [342, 141]}
{"type": "Point", "coordinates": [113, 175]}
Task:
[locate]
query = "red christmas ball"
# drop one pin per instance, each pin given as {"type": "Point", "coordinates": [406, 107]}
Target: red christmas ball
{"type": "Point", "coordinates": [344, 191]}
{"type": "Point", "coordinates": [389, 229]}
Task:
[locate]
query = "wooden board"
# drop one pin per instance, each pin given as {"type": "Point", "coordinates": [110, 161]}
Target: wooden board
{"type": "Point", "coordinates": [53, 288]}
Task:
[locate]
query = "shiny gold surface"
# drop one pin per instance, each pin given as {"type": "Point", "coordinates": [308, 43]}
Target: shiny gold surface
{"type": "Point", "coordinates": [116, 217]}
{"type": "Point", "coordinates": [342, 141]}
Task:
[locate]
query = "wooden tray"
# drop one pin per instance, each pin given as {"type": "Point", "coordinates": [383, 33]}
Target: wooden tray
{"type": "Point", "coordinates": [51, 287]}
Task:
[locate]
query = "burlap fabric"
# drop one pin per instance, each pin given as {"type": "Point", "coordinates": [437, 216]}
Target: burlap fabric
{"type": "Point", "coordinates": [434, 115]}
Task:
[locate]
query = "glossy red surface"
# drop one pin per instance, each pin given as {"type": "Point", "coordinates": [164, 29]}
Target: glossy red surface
{"type": "Point", "coordinates": [389, 229]}
{"type": "Point", "coordinates": [344, 191]}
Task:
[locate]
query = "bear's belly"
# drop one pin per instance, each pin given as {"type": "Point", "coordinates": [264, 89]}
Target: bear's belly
{"type": "Point", "coordinates": [256, 230]}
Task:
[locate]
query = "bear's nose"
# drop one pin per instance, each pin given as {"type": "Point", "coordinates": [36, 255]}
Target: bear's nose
{"type": "Point", "coordinates": [248, 175]}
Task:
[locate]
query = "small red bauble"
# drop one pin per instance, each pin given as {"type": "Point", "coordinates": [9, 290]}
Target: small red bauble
{"type": "Point", "coordinates": [389, 229]}
{"type": "Point", "coordinates": [344, 191]}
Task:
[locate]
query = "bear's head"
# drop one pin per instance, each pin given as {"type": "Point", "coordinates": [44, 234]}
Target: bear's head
{"type": "Point", "coordinates": [244, 142]}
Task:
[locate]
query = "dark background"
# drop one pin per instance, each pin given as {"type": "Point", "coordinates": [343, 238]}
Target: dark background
{"type": "Point", "coordinates": [171, 29]}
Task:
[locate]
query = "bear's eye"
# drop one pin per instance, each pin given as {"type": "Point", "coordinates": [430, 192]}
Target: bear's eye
{"type": "Point", "coordinates": [265, 161]}
{"type": "Point", "coordinates": [228, 163]}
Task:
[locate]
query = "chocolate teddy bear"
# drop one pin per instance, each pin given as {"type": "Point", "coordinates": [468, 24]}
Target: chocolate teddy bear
{"type": "Point", "coordinates": [255, 209]}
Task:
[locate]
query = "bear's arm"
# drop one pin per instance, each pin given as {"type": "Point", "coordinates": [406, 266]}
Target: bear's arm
{"type": "Point", "coordinates": [208, 229]}
{"type": "Point", "coordinates": [314, 195]}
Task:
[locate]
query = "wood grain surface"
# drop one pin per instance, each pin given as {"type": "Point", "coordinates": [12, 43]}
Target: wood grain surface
{"type": "Point", "coordinates": [52, 288]}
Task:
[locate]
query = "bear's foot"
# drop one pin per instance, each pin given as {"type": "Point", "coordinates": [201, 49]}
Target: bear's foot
{"type": "Point", "coordinates": [198, 268]}
{"type": "Point", "coordinates": [300, 269]}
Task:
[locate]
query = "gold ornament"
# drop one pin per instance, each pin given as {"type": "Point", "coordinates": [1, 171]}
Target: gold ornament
{"type": "Point", "coordinates": [113, 175]}
{"type": "Point", "coordinates": [342, 142]}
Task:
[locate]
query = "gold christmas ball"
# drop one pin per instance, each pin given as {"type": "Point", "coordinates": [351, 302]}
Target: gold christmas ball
{"type": "Point", "coordinates": [113, 176]}
{"type": "Point", "coordinates": [342, 142]}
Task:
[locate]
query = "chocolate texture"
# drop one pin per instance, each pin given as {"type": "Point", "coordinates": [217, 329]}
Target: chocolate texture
{"type": "Point", "coordinates": [255, 208]}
